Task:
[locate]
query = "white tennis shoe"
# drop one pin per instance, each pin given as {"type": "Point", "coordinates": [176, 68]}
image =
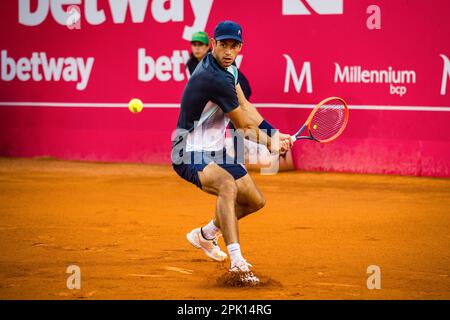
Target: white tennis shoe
{"type": "Point", "coordinates": [210, 247]}
{"type": "Point", "coordinates": [242, 267]}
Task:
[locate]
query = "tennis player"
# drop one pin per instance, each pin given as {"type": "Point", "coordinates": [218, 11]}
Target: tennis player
{"type": "Point", "coordinates": [213, 97]}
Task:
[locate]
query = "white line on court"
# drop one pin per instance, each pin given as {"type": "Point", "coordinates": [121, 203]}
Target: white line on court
{"type": "Point", "coordinates": [176, 105]}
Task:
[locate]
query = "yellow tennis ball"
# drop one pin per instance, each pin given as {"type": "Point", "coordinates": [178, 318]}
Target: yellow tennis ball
{"type": "Point", "coordinates": [315, 126]}
{"type": "Point", "coordinates": [135, 105]}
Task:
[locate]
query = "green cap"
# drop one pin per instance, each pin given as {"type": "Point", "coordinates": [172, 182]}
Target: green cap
{"type": "Point", "coordinates": [200, 37]}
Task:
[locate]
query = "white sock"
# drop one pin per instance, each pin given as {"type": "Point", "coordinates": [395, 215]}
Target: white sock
{"type": "Point", "coordinates": [210, 231]}
{"type": "Point", "coordinates": [234, 249]}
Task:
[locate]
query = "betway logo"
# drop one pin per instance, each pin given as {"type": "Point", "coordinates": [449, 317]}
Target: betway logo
{"type": "Point", "coordinates": [163, 11]}
{"type": "Point", "coordinates": [165, 68]}
{"type": "Point", "coordinates": [41, 67]}
{"type": "Point", "coordinates": [306, 7]}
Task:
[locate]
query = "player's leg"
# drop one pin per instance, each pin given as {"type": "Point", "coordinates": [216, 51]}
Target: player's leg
{"type": "Point", "coordinates": [249, 198]}
{"type": "Point", "coordinates": [220, 180]}
{"type": "Point", "coordinates": [226, 215]}
{"type": "Point", "coordinates": [217, 181]}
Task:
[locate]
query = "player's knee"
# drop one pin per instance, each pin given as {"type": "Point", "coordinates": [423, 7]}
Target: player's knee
{"type": "Point", "coordinates": [228, 188]}
{"type": "Point", "coordinates": [260, 203]}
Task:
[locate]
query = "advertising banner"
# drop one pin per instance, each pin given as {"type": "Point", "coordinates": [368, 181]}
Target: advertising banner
{"type": "Point", "coordinates": [69, 68]}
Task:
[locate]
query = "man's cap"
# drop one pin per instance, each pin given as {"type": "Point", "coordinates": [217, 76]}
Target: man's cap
{"type": "Point", "coordinates": [200, 36]}
{"type": "Point", "coordinates": [228, 30]}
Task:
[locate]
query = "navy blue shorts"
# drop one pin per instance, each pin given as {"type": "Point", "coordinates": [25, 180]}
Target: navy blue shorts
{"type": "Point", "coordinates": [199, 160]}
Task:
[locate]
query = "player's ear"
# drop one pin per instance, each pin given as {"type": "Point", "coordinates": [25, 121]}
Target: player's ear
{"type": "Point", "coordinates": [213, 42]}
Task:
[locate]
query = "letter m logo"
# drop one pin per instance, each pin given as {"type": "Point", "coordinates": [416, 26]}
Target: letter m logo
{"type": "Point", "coordinates": [306, 7]}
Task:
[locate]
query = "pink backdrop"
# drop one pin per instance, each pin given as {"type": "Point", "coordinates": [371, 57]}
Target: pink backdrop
{"type": "Point", "coordinates": [395, 126]}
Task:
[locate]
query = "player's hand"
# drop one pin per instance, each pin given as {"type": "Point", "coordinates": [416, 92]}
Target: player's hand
{"type": "Point", "coordinates": [286, 142]}
{"type": "Point", "coordinates": [281, 143]}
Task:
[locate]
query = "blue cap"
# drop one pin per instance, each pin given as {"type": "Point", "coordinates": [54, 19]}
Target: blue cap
{"type": "Point", "coordinates": [228, 30]}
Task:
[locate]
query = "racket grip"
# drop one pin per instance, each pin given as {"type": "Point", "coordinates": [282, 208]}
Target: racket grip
{"type": "Point", "coordinates": [293, 139]}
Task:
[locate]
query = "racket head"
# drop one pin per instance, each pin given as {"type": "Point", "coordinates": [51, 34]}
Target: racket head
{"type": "Point", "coordinates": [328, 119]}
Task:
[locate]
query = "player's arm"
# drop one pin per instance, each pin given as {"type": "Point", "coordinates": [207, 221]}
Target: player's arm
{"type": "Point", "coordinates": [255, 128]}
{"type": "Point", "coordinates": [246, 124]}
{"type": "Point", "coordinates": [246, 106]}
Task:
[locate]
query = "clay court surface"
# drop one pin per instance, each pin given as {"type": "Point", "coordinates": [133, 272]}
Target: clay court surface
{"type": "Point", "coordinates": [124, 225]}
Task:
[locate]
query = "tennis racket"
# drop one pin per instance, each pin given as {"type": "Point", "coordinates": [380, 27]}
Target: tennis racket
{"type": "Point", "coordinates": [326, 122]}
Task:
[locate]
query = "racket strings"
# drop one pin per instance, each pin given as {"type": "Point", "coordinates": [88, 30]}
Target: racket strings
{"type": "Point", "coordinates": [328, 120]}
